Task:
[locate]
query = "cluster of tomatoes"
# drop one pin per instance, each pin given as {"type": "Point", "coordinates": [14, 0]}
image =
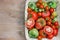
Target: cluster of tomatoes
{"type": "Point", "coordinates": [42, 21]}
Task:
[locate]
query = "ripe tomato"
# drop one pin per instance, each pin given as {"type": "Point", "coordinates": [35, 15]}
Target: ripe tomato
{"type": "Point", "coordinates": [41, 6]}
{"type": "Point", "coordinates": [30, 23]}
{"type": "Point", "coordinates": [48, 23]}
{"type": "Point", "coordinates": [52, 17]}
{"type": "Point", "coordinates": [41, 33]}
{"type": "Point", "coordinates": [37, 4]}
{"type": "Point", "coordinates": [50, 36]}
{"type": "Point", "coordinates": [39, 37]}
{"type": "Point", "coordinates": [51, 10]}
{"type": "Point", "coordinates": [33, 15]}
{"type": "Point", "coordinates": [40, 1]}
{"type": "Point", "coordinates": [39, 14]}
{"type": "Point", "coordinates": [47, 8]}
{"type": "Point", "coordinates": [40, 23]}
{"type": "Point", "coordinates": [56, 23]}
{"type": "Point", "coordinates": [48, 30]}
{"type": "Point", "coordinates": [53, 26]}
{"type": "Point", "coordinates": [29, 10]}
{"type": "Point", "coordinates": [47, 14]}
{"type": "Point", "coordinates": [55, 32]}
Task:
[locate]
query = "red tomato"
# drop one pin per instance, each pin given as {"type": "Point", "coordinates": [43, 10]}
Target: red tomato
{"type": "Point", "coordinates": [38, 26]}
{"type": "Point", "coordinates": [55, 32]}
{"type": "Point", "coordinates": [48, 30]}
{"type": "Point", "coordinates": [56, 23]}
{"type": "Point", "coordinates": [53, 26]}
{"type": "Point", "coordinates": [29, 10]}
{"type": "Point", "coordinates": [41, 6]}
{"type": "Point", "coordinates": [52, 17]}
{"type": "Point", "coordinates": [47, 14]}
{"type": "Point", "coordinates": [47, 18]}
{"type": "Point", "coordinates": [30, 23]}
{"type": "Point", "coordinates": [40, 1]}
{"type": "Point", "coordinates": [39, 14]}
{"type": "Point", "coordinates": [46, 8]}
{"type": "Point", "coordinates": [48, 23]}
{"type": "Point", "coordinates": [51, 10]}
{"type": "Point", "coordinates": [40, 23]}
{"type": "Point", "coordinates": [34, 15]}
{"type": "Point", "coordinates": [39, 37]}
{"type": "Point", "coordinates": [37, 4]}
{"type": "Point", "coordinates": [41, 33]}
{"type": "Point", "coordinates": [50, 36]}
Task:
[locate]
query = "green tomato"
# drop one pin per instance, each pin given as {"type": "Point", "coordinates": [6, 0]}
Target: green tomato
{"type": "Point", "coordinates": [54, 14]}
{"type": "Point", "coordinates": [31, 5]}
{"type": "Point", "coordinates": [54, 20]}
{"type": "Point", "coordinates": [52, 4]}
{"type": "Point", "coordinates": [33, 33]}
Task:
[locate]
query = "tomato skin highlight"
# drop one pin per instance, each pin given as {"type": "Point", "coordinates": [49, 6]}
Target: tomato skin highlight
{"type": "Point", "coordinates": [30, 23]}
{"type": "Point", "coordinates": [47, 14]}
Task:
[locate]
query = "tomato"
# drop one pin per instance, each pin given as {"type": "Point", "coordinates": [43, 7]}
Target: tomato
{"type": "Point", "coordinates": [37, 4]}
{"type": "Point", "coordinates": [29, 10]}
{"type": "Point", "coordinates": [30, 23]}
{"type": "Point", "coordinates": [33, 15]}
{"type": "Point", "coordinates": [48, 30]}
{"type": "Point", "coordinates": [56, 23]}
{"type": "Point", "coordinates": [41, 33]}
{"type": "Point", "coordinates": [48, 23]}
{"type": "Point", "coordinates": [55, 32]}
{"type": "Point", "coordinates": [41, 6]}
{"type": "Point", "coordinates": [50, 36]}
{"type": "Point", "coordinates": [39, 38]}
{"type": "Point", "coordinates": [51, 10]}
{"type": "Point", "coordinates": [47, 14]}
{"type": "Point", "coordinates": [52, 17]}
{"type": "Point", "coordinates": [39, 14]}
{"type": "Point", "coordinates": [40, 23]}
{"type": "Point", "coordinates": [47, 18]}
{"type": "Point", "coordinates": [53, 26]}
{"type": "Point", "coordinates": [40, 1]}
{"type": "Point", "coordinates": [46, 8]}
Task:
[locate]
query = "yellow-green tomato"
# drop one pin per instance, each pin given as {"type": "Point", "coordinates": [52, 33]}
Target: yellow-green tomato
{"type": "Point", "coordinates": [54, 14]}
{"type": "Point", "coordinates": [45, 4]}
{"type": "Point", "coordinates": [33, 33]}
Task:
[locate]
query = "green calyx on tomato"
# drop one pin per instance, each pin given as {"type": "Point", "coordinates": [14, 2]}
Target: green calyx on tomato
{"type": "Point", "coordinates": [40, 23]}
{"type": "Point", "coordinates": [33, 33]}
{"type": "Point", "coordinates": [44, 3]}
{"type": "Point", "coordinates": [52, 4]}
